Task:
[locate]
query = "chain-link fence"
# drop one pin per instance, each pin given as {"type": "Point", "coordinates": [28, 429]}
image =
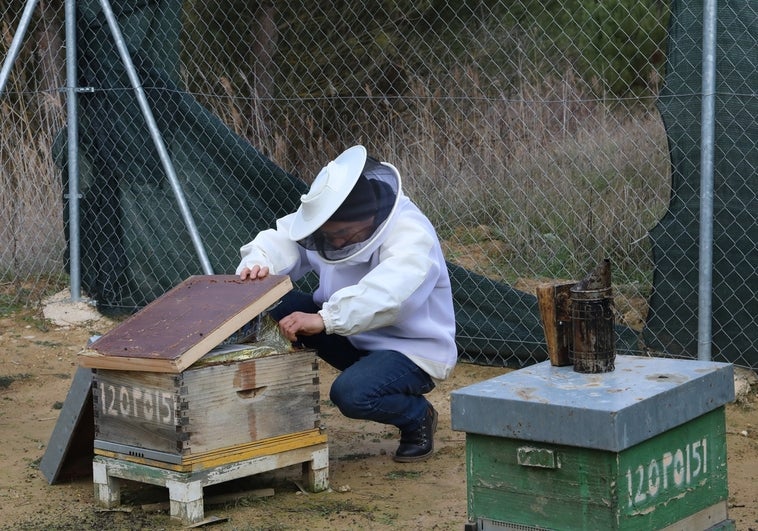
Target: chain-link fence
{"type": "Point", "coordinates": [530, 132]}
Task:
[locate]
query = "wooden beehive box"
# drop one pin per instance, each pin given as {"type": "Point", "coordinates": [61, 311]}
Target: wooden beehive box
{"type": "Point", "coordinates": [161, 399]}
{"type": "Point", "coordinates": [643, 447]}
{"type": "Point", "coordinates": [208, 415]}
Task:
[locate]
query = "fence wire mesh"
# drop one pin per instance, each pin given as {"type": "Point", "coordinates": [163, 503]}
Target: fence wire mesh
{"type": "Point", "coordinates": [530, 132]}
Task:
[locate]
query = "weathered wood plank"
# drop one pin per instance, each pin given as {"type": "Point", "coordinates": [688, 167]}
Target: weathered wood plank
{"type": "Point", "coordinates": [210, 407]}
{"type": "Point", "coordinates": [554, 302]}
{"type": "Point", "coordinates": [651, 485]}
{"type": "Point", "coordinates": [251, 400]}
{"type": "Point", "coordinates": [69, 451]}
{"type": "Point", "coordinates": [178, 328]}
{"type": "Point", "coordinates": [143, 473]}
{"type": "Point", "coordinates": [230, 454]}
{"type": "Point", "coordinates": [141, 409]}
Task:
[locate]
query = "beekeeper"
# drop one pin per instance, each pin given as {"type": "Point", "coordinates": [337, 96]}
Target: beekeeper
{"type": "Point", "coordinates": [382, 313]}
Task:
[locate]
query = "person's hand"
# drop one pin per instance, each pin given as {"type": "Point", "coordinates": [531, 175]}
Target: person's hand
{"type": "Point", "coordinates": [304, 324]}
{"type": "Point", "coordinates": [254, 272]}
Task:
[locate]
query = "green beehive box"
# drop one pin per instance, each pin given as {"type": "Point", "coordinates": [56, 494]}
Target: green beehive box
{"type": "Point", "coordinates": [639, 448]}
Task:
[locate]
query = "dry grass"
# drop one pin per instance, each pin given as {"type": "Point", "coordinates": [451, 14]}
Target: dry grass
{"type": "Point", "coordinates": [31, 221]}
{"type": "Point", "coordinates": [559, 184]}
{"type": "Point", "coordinates": [542, 183]}
{"type": "Point", "coordinates": [559, 178]}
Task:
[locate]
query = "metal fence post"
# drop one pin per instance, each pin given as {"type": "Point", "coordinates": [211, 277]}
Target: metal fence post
{"type": "Point", "coordinates": [72, 131]}
{"type": "Point", "coordinates": [15, 47]}
{"type": "Point", "coordinates": [705, 265]}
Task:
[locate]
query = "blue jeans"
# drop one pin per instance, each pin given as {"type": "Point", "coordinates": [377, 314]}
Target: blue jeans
{"type": "Point", "coordinates": [379, 385]}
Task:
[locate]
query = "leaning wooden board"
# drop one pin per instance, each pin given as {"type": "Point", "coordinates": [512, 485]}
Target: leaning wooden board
{"type": "Point", "coordinates": [178, 328]}
{"type": "Point", "coordinates": [554, 302]}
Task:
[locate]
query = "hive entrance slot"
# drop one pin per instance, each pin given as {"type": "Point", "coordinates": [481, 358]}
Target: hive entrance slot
{"type": "Point", "coordinates": [252, 393]}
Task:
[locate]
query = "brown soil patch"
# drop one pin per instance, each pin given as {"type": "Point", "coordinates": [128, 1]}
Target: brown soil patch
{"type": "Point", "coordinates": [368, 490]}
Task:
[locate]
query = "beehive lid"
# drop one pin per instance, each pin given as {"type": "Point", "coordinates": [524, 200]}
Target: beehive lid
{"type": "Point", "coordinates": [178, 328]}
{"type": "Point", "coordinates": [611, 411]}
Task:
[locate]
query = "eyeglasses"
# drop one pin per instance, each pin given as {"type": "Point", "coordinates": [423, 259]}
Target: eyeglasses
{"type": "Point", "coordinates": [347, 235]}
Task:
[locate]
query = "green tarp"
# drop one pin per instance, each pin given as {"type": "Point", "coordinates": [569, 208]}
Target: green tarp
{"type": "Point", "coordinates": [672, 323]}
{"type": "Point", "coordinates": [134, 244]}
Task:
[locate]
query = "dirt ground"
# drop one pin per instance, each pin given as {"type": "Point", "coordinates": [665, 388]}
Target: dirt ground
{"type": "Point", "coordinates": [368, 490]}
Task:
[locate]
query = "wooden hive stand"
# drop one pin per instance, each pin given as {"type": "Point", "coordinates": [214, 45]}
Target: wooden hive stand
{"type": "Point", "coordinates": [186, 488]}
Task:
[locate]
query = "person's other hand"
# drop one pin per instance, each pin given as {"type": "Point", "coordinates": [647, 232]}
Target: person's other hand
{"type": "Point", "coordinates": [254, 272]}
{"type": "Point", "coordinates": [300, 323]}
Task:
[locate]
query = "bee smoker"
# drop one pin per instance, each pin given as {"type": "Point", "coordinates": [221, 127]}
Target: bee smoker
{"type": "Point", "coordinates": [578, 319]}
{"type": "Point", "coordinates": [593, 339]}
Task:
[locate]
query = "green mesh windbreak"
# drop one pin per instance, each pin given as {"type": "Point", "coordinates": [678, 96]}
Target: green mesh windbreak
{"type": "Point", "coordinates": [672, 324]}
{"type": "Point", "coordinates": [134, 243]}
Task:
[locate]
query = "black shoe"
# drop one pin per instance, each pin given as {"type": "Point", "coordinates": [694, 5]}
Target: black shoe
{"type": "Point", "coordinates": [418, 444]}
